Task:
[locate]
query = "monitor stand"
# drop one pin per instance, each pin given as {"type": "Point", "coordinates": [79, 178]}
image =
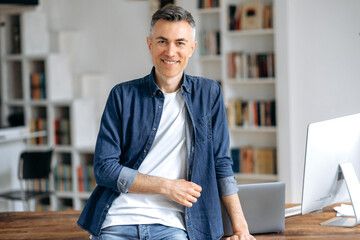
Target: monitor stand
{"type": "Point", "coordinates": [353, 187]}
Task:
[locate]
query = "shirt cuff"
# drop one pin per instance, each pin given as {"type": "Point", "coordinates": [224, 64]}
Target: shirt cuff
{"type": "Point", "coordinates": [227, 186]}
{"type": "Point", "coordinates": [126, 179]}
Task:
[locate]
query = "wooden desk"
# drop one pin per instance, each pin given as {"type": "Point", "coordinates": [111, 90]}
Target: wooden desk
{"type": "Point", "coordinates": [308, 227]}
{"type": "Point", "coordinates": [62, 225]}
{"type": "Point", "coordinates": [41, 225]}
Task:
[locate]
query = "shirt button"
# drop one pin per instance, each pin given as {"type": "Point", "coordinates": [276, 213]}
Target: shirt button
{"type": "Point", "coordinates": [145, 151]}
{"type": "Point", "coordinates": [154, 129]}
{"type": "Point", "coordinates": [107, 206]}
{"type": "Point", "coordinates": [160, 106]}
{"type": "Point", "coordinates": [192, 149]}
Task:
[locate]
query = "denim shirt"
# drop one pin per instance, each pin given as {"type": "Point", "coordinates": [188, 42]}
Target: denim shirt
{"type": "Point", "coordinates": [128, 127]}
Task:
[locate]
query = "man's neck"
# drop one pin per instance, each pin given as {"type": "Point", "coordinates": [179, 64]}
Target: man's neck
{"type": "Point", "coordinates": [168, 85]}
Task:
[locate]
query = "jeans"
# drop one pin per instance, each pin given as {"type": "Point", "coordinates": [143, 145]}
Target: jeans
{"type": "Point", "coordinates": [141, 232]}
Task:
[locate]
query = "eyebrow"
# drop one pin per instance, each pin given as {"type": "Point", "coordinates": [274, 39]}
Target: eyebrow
{"type": "Point", "coordinates": [177, 40]}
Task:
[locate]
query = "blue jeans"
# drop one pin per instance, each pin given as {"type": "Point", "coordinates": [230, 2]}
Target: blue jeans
{"type": "Point", "coordinates": [141, 232]}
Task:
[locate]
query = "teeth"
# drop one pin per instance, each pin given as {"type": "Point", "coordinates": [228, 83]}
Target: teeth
{"type": "Point", "coordinates": [168, 62]}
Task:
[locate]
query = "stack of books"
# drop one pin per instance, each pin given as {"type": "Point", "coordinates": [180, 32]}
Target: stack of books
{"type": "Point", "coordinates": [254, 160]}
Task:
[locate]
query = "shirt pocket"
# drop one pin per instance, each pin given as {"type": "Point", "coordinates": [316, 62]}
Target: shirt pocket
{"type": "Point", "coordinates": [203, 128]}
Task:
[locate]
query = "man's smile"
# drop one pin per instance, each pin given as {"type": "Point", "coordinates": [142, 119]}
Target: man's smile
{"type": "Point", "coordinates": [169, 62]}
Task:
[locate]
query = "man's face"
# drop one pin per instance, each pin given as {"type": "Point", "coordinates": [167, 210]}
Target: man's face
{"type": "Point", "coordinates": [171, 45]}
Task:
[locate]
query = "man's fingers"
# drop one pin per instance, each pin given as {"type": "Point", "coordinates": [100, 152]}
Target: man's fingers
{"type": "Point", "coordinates": [192, 199]}
{"type": "Point", "coordinates": [195, 193]}
{"type": "Point", "coordinates": [197, 187]}
{"type": "Point", "coordinates": [186, 193]}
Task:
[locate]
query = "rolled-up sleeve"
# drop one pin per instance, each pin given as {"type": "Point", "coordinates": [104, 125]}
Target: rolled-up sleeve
{"type": "Point", "coordinates": [227, 186]}
{"type": "Point", "coordinates": [126, 179]}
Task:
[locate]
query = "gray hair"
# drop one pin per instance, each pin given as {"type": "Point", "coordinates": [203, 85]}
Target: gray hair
{"type": "Point", "coordinates": [172, 13]}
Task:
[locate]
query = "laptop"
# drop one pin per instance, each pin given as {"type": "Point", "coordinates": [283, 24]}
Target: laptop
{"type": "Point", "coordinates": [263, 205]}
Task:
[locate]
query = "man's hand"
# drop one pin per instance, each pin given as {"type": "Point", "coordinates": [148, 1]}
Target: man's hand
{"type": "Point", "coordinates": [183, 192]}
{"type": "Point", "coordinates": [240, 236]}
{"type": "Point", "coordinates": [179, 190]}
{"type": "Point", "coordinates": [239, 224]}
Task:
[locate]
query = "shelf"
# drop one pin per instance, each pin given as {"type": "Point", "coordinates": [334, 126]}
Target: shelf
{"type": "Point", "coordinates": [256, 48]}
{"type": "Point", "coordinates": [61, 103]}
{"type": "Point", "coordinates": [63, 148]}
{"type": "Point", "coordinates": [40, 103]}
{"type": "Point", "coordinates": [38, 147]}
{"type": "Point", "coordinates": [86, 150]}
{"type": "Point", "coordinates": [15, 102]}
{"type": "Point", "coordinates": [258, 177]}
{"type": "Point", "coordinates": [12, 57]}
{"type": "Point", "coordinates": [255, 32]}
{"type": "Point", "coordinates": [251, 81]}
{"type": "Point", "coordinates": [37, 87]}
{"type": "Point", "coordinates": [64, 194]}
{"type": "Point", "coordinates": [84, 195]}
{"type": "Point", "coordinates": [239, 129]}
{"type": "Point", "coordinates": [215, 10]}
{"type": "Point", "coordinates": [210, 58]}
{"type": "Point", "coordinates": [19, 134]}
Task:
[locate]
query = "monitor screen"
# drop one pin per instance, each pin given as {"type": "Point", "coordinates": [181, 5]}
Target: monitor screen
{"type": "Point", "coordinates": [329, 143]}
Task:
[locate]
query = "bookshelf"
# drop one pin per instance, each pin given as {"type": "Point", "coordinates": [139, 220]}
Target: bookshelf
{"type": "Point", "coordinates": [245, 67]}
{"type": "Point", "coordinates": [37, 91]}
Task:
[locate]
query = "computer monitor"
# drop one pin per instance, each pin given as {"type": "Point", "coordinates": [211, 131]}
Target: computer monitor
{"type": "Point", "coordinates": [332, 160]}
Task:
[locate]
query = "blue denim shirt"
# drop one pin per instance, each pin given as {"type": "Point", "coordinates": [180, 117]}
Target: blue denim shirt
{"type": "Point", "coordinates": [128, 127]}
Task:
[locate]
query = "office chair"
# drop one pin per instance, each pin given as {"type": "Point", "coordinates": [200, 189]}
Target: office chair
{"type": "Point", "coordinates": [33, 168]}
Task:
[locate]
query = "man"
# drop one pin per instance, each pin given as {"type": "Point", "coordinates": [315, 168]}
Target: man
{"type": "Point", "coordinates": [161, 157]}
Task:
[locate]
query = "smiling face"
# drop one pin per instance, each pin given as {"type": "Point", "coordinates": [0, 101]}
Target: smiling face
{"type": "Point", "coordinates": [171, 45]}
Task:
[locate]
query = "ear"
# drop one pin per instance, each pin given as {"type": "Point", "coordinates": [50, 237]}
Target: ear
{"type": "Point", "coordinates": [193, 48]}
{"type": "Point", "coordinates": [148, 40]}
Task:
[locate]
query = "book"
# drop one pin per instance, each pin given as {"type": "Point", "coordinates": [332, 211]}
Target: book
{"type": "Point", "coordinates": [231, 17]}
{"type": "Point", "coordinates": [235, 155]}
{"type": "Point", "coordinates": [210, 43]}
{"type": "Point", "coordinates": [251, 113]}
{"type": "Point", "coordinates": [244, 66]}
{"type": "Point", "coordinates": [252, 15]}
{"type": "Point", "coordinates": [15, 34]}
{"type": "Point", "coordinates": [63, 177]}
{"type": "Point", "coordinates": [62, 131]}
{"type": "Point", "coordinates": [37, 86]}
{"type": "Point", "coordinates": [80, 179]}
{"type": "Point", "coordinates": [254, 160]}
{"type": "Point", "coordinates": [208, 3]}
{"type": "Point", "coordinates": [268, 15]}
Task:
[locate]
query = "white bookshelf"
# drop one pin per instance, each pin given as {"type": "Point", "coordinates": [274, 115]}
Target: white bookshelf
{"type": "Point", "coordinates": [53, 102]}
{"type": "Point", "coordinates": [252, 89]}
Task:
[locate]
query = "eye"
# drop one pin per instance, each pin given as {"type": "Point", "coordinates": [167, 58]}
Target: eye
{"type": "Point", "coordinates": [181, 43]}
{"type": "Point", "coordinates": [162, 42]}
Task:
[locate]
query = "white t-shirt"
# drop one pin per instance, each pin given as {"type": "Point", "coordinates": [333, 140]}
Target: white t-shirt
{"type": "Point", "coordinates": [166, 158]}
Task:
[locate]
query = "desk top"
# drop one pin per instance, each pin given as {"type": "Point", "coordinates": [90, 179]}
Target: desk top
{"type": "Point", "coordinates": [308, 227]}
{"type": "Point", "coordinates": [41, 225]}
{"type": "Point", "coordinates": [62, 225]}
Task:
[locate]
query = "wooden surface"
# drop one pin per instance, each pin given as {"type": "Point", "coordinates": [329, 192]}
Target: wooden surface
{"type": "Point", "coordinates": [62, 225]}
{"type": "Point", "coordinates": [308, 227]}
{"type": "Point", "coordinates": [41, 225]}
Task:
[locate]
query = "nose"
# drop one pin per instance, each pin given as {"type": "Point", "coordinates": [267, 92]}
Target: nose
{"type": "Point", "coordinates": [170, 50]}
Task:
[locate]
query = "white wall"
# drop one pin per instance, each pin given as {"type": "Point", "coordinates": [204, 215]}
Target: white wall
{"type": "Point", "coordinates": [113, 35]}
{"type": "Point", "coordinates": [321, 53]}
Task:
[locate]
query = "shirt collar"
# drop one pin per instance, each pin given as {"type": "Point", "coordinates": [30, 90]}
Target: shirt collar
{"type": "Point", "coordinates": [154, 88]}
